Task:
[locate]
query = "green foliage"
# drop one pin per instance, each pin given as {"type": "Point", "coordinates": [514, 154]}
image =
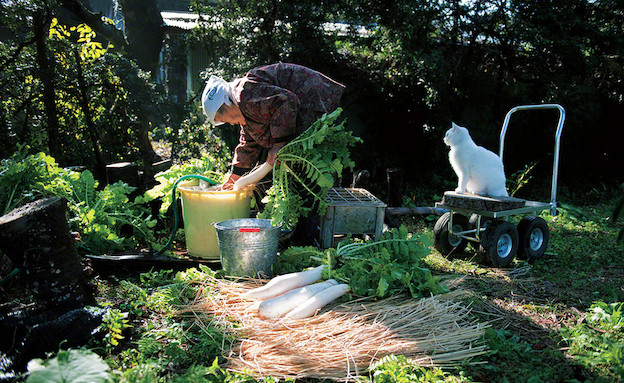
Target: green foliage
{"type": "Point", "coordinates": [193, 138]}
{"type": "Point", "coordinates": [104, 103]}
{"type": "Point", "coordinates": [618, 212]}
{"type": "Point", "coordinates": [71, 366]}
{"type": "Point", "coordinates": [258, 32]}
{"type": "Point", "coordinates": [99, 216]}
{"type": "Point", "coordinates": [169, 346]}
{"type": "Point", "coordinates": [598, 343]}
{"type": "Point", "coordinates": [305, 169]}
{"type": "Point", "coordinates": [520, 179]}
{"type": "Point", "coordinates": [399, 369]}
{"type": "Point", "coordinates": [113, 326]}
{"type": "Point", "coordinates": [512, 359]}
{"type": "Point", "coordinates": [296, 258]}
{"type": "Point", "coordinates": [390, 266]}
{"type": "Point", "coordinates": [208, 166]}
{"type": "Point", "coordinates": [20, 173]}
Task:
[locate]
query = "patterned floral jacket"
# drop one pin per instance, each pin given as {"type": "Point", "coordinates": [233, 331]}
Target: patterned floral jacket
{"type": "Point", "coordinates": [279, 102]}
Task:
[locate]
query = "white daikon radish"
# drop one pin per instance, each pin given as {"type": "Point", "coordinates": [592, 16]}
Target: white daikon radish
{"type": "Point", "coordinates": [286, 282]}
{"type": "Point", "coordinates": [284, 303]}
{"type": "Point", "coordinates": [314, 304]}
{"type": "Point", "coordinates": [253, 177]}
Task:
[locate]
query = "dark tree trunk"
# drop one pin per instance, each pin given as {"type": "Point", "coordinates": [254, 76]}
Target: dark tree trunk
{"type": "Point", "coordinates": [395, 186]}
{"type": "Point", "coordinates": [41, 26]}
{"type": "Point", "coordinates": [36, 238]}
{"type": "Point", "coordinates": [94, 135]}
{"type": "Point", "coordinates": [144, 32]}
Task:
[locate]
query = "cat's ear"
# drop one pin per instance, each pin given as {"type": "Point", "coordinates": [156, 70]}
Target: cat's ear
{"type": "Point", "coordinates": [454, 125]}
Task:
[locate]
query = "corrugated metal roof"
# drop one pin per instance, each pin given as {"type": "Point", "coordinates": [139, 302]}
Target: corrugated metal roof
{"type": "Point", "coordinates": [189, 20]}
{"type": "Point", "coordinates": [182, 20]}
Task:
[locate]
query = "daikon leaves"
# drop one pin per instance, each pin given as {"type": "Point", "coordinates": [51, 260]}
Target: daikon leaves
{"type": "Point", "coordinates": [305, 170]}
{"type": "Point", "coordinates": [392, 265]}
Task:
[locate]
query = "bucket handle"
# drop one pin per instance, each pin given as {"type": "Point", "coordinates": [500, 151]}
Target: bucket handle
{"type": "Point", "coordinates": [239, 229]}
{"type": "Point", "coordinates": [249, 230]}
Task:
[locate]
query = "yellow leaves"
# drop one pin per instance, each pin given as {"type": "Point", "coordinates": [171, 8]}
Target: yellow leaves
{"type": "Point", "coordinates": [57, 31]}
{"type": "Point", "coordinates": [90, 49]}
{"type": "Point", "coordinates": [90, 216]}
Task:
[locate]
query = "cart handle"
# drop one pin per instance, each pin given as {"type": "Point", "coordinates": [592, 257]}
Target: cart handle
{"type": "Point", "coordinates": [553, 193]}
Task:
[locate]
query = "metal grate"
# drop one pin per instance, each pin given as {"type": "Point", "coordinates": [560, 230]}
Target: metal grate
{"type": "Point", "coordinates": [352, 197]}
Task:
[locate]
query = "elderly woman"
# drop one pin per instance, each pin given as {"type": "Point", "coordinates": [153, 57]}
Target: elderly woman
{"type": "Point", "coordinates": [272, 104]}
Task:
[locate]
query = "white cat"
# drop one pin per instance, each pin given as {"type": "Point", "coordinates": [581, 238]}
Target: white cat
{"type": "Point", "coordinates": [480, 171]}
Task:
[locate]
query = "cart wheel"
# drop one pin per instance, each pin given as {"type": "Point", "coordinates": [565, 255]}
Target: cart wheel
{"type": "Point", "coordinates": [533, 233]}
{"type": "Point", "coordinates": [443, 240]}
{"type": "Point", "coordinates": [500, 243]}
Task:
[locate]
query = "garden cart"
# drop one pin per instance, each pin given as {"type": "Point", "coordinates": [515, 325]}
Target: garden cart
{"type": "Point", "coordinates": [485, 220]}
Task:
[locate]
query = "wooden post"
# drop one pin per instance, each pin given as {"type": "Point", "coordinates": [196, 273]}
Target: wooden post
{"type": "Point", "coordinates": [37, 239]}
{"type": "Point", "coordinates": [395, 186]}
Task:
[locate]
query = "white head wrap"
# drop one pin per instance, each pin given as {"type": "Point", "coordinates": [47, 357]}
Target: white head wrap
{"type": "Point", "coordinates": [216, 93]}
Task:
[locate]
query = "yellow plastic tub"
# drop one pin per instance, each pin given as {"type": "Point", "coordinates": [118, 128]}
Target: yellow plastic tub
{"type": "Point", "coordinates": [201, 208]}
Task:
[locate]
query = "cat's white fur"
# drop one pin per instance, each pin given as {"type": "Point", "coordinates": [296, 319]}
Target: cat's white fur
{"type": "Point", "coordinates": [479, 170]}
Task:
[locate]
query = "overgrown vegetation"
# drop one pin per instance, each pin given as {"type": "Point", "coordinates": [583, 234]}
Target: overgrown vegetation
{"type": "Point", "coordinates": [598, 342]}
{"type": "Point", "coordinates": [106, 219]}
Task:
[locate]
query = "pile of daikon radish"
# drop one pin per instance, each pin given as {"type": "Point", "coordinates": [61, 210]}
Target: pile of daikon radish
{"type": "Point", "coordinates": [296, 295]}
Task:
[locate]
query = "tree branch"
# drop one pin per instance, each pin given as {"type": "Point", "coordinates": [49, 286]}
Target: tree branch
{"type": "Point", "coordinates": [16, 54]}
{"type": "Point", "coordinates": [94, 20]}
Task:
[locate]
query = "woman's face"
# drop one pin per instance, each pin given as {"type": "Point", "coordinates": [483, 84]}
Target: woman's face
{"type": "Point", "coordinates": [230, 114]}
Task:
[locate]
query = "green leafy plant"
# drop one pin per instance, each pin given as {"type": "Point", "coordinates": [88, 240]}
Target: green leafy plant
{"type": "Point", "coordinates": [99, 216]}
{"type": "Point", "coordinates": [71, 366]}
{"type": "Point", "coordinates": [399, 369]}
{"type": "Point", "coordinates": [206, 166]}
{"type": "Point", "coordinates": [389, 266]}
{"type": "Point", "coordinates": [113, 325]}
{"type": "Point", "coordinates": [521, 178]}
{"type": "Point", "coordinates": [305, 169]}
{"type": "Point", "coordinates": [18, 175]}
{"type": "Point", "coordinates": [599, 341]}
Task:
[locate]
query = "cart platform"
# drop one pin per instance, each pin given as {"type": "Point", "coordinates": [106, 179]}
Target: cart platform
{"type": "Point", "coordinates": [491, 207]}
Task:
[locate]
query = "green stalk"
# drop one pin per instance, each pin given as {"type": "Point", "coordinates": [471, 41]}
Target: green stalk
{"type": "Point", "coordinates": [317, 197]}
{"type": "Point", "coordinates": [346, 249]}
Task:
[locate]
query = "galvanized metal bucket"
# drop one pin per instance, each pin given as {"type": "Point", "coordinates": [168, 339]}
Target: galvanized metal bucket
{"type": "Point", "coordinates": [248, 246]}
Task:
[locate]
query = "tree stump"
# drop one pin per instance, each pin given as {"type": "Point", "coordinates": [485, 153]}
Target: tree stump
{"type": "Point", "coordinates": [37, 239]}
{"type": "Point", "coordinates": [478, 202]}
{"type": "Point", "coordinates": [127, 172]}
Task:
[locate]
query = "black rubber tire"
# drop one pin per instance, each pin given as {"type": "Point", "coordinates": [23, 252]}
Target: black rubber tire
{"type": "Point", "coordinates": [500, 243]}
{"type": "Point", "coordinates": [443, 241]}
{"type": "Point", "coordinates": [533, 234]}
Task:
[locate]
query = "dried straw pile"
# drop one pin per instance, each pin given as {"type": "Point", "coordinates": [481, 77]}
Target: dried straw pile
{"type": "Point", "coordinates": [340, 343]}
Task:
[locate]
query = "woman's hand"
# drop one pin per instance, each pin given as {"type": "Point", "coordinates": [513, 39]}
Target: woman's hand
{"type": "Point", "coordinates": [229, 183]}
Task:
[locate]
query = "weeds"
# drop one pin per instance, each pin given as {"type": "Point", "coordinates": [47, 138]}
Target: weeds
{"type": "Point", "coordinates": [598, 342]}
